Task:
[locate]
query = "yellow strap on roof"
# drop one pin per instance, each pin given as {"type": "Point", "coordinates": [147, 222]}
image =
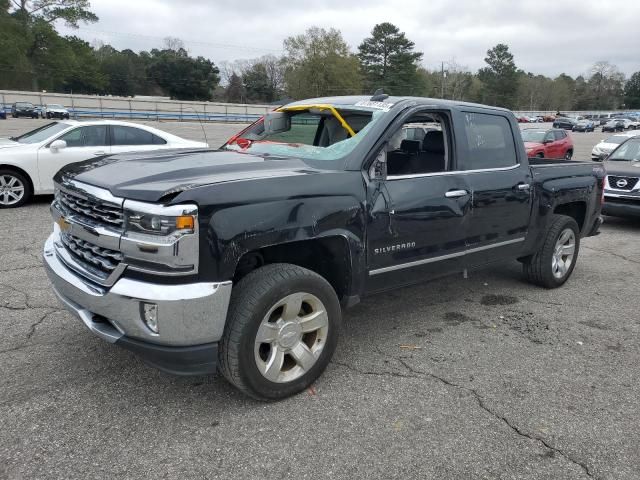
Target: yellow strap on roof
{"type": "Point", "coordinates": [331, 108]}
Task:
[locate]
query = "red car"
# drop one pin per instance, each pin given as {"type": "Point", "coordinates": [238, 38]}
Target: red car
{"type": "Point", "coordinates": [552, 143]}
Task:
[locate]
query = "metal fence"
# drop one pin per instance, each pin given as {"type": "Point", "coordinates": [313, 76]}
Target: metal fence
{"type": "Point", "coordinates": [142, 108]}
{"type": "Point", "coordinates": [139, 108]}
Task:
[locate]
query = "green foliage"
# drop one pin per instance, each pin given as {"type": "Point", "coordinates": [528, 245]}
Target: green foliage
{"type": "Point", "coordinates": [234, 93]}
{"type": "Point", "coordinates": [319, 63]}
{"type": "Point", "coordinates": [72, 12]}
{"type": "Point", "coordinates": [632, 91]}
{"type": "Point", "coordinates": [499, 77]}
{"type": "Point", "coordinates": [181, 76]}
{"type": "Point", "coordinates": [388, 61]}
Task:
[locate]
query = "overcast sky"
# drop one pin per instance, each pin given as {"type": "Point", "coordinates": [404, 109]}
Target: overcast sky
{"type": "Point", "coordinates": [545, 36]}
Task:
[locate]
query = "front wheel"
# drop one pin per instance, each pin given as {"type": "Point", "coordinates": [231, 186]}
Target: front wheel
{"type": "Point", "coordinates": [282, 329]}
{"type": "Point", "coordinates": [568, 155]}
{"type": "Point", "coordinates": [553, 264]}
{"type": "Point", "coordinates": [15, 189]}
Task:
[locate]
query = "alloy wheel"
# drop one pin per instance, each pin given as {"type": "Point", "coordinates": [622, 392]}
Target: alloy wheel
{"type": "Point", "coordinates": [291, 337]}
{"type": "Point", "coordinates": [11, 190]}
{"type": "Point", "coordinates": [563, 253]}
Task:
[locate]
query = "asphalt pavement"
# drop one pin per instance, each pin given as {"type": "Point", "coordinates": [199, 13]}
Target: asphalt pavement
{"type": "Point", "coordinates": [486, 377]}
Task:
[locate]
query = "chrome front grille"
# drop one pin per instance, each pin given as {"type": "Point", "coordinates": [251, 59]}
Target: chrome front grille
{"type": "Point", "coordinates": [623, 183]}
{"type": "Point", "coordinates": [93, 211]}
{"type": "Point", "coordinates": [98, 260]}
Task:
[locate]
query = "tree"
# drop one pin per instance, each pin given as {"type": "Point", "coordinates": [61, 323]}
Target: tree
{"type": "Point", "coordinates": [388, 60]}
{"type": "Point", "coordinates": [632, 92]}
{"type": "Point", "coordinates": [605, 86]}
{"type": "Point", "coordinates": [319, 63]}
{"type": "Point", "coordinates": [234, 93]}
{"type": "Point", "coordinates": [72, 12]}
{"type": "Point", "coordinates": [499, 77]}
{"type": "Point", "coordinates": [181, 76]}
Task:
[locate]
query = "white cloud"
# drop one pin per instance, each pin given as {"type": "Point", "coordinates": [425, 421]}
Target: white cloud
{"type": "Point", "coordinates": [545, 36]}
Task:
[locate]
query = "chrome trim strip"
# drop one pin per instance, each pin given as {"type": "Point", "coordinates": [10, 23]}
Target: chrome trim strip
{"type": "Point", "coordinates": [88, 191]}
{"type": "Point", "coordinates": [444, 257]}
{"type": "Point", "coordinates": [617, 195]}
{"type": "Point", "coordinates": [163, 210]}
{"type": "Point", "coordinates": [462, 172]}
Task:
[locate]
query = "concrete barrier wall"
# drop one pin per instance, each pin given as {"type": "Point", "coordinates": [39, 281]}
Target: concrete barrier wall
{"type": "Point", "coordinates": [139, 108]}
{"type": "Point", "coordinates": [163, 109]}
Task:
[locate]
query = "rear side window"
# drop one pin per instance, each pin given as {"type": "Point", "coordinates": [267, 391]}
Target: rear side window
{"type": "Point", "coordinates": [559, 134]}
{"type": "Point", "coordinates": [134, 136]}
{"type": "Point", "coordinates": [490, 142]}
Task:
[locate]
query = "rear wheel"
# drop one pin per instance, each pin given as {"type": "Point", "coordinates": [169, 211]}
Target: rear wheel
{"type": "Point", "coordinates": [281, 331]}
{"type": "Point", "coordinates": [568, 155]}
{"type": "Point", "coordinates": [540, 155]}
{"type": "Point", "coordinates": [553, 264]}
{"type": "Point", "coordinates": [15, 189]}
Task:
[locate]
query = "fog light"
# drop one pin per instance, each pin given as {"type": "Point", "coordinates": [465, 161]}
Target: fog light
{"type": "Point", "coordinates": [150, 316]}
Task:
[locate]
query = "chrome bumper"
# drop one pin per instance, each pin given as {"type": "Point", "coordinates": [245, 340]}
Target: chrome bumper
{"type": "Point", "coordinates": [188, 314]}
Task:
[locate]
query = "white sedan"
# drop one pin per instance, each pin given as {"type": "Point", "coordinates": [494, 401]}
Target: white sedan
{"type": "Point", "coordinates": [606, 146]}
{"type": "Point", "coordinates": [29, 162]}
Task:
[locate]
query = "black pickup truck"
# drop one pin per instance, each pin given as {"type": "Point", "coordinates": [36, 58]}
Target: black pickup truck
{"type": "Point", "coordinates": [242, 258]}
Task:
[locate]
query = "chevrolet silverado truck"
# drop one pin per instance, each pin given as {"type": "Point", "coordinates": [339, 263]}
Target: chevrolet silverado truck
{"type": "Point", "coordinates": [242, 258]}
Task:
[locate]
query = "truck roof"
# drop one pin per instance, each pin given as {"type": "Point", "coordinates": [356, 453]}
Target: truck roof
{"type": "Point", "coordinates": [353, 99]}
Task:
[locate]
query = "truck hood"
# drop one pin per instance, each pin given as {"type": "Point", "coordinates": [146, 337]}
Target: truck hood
{"type": "Point", "coordinates": [154, 175]}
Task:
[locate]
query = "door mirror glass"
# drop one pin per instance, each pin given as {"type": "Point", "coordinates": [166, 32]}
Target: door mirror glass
{"type": "Point", "coordinates": [378, 170]}
{"type": "Point", "coordinates": [58, 145]}
{"type": "Point", "coordinates": [277, 122]}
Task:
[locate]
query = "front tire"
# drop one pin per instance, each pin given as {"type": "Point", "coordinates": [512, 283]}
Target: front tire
{"type": "Point", "coordinates": [15, 189]}
{"type": "Point", "coordinates": [553, 264]}
{"type": "Point", "coordinates": [282, 329]}
{"type": "Point", "coordinates": [568, 155]}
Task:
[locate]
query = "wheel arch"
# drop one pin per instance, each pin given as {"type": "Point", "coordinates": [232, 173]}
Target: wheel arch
{"type": "Point", "coordinates": [14, 168]}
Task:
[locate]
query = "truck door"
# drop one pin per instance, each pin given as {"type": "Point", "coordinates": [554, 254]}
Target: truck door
{"type": "Point", "coordinates": [500, 184]}
{"type": "Point", "coordinates": [417, 213]}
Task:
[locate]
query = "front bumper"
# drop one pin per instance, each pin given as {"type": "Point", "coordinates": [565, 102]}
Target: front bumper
{"type": "Point", "coordinates": [191, 317]}
{"type": "Point", "coordinates": [621, 207]}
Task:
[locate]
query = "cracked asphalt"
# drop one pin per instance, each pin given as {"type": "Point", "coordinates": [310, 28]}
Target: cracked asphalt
{"type": "Point", "coordinates": [486, 377]}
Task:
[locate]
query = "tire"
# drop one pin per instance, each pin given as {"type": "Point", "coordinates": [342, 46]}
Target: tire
{"type": "Point", "coordinates": [258, 304]}
{"type": "Point", "coordinates": [15, 189]}
{"type": "Point", "coordinates": [540, 155]}
{"type": "Point", "coordinates": [542, 268]}
{"type": "Point", "coordinates": [568, 155]}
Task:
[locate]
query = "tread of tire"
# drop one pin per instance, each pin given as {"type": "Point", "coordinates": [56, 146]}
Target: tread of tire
{"type": "Point", "coordinates": [244, 298]}
{"type": "Point", "coordinates": [533, 268]}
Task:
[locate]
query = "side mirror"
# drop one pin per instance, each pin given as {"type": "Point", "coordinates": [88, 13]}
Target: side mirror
{"type": "Point", "coordinates": [57, 145]}
{"type": "Point", "coordinates": [277, 122]}
{"type": "Point", "coordinates": [378, 169]}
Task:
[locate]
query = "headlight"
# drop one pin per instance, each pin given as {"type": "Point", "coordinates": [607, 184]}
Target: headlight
{"type": "Point", "coordinates": [159, 224]}
{"type": "Point", "coordinates": [158, 220]}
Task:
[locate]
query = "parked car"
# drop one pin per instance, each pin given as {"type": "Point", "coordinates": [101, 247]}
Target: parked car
{"type": "Point", "coordinates": [24, 109]}
{"type": "Point", "coordinates": [606, 146]}
{"type": "Point", "coordinates": [565, 123]}
{"type": "Point", "coordinates": [615, 125]}
{"type": "Point", "coordinates": [622, 187]}
{"type": "Point", "coordinates": [3, 113]}
{"type": "Point", "coordinates": [266, 238]}
{"type": "Point", "coordinates": [633, 123]}
{"type": "Point", "coordinates": [28, 162]}
{"type": "Point", "coordinates": [543, 143]}
{"type": "Point", "coordinates": [549, 118]}
{"type": "Point", "coordinates": [54, 110]}
{"type": "Point", "coordinates": [584, 126]}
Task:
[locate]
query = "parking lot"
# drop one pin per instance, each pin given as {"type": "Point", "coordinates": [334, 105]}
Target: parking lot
{"type": "Point", "coordinates": [486, 377]}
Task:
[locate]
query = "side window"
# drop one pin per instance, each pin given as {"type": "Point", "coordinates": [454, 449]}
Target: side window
{"type": "Point", "coordinates": [122, 135]}
{"type": "Point", "coordinates": [419, 146]}
{"type": "Point", "coordinates": [490, 142]}
{"type": "Point", "coordinates": [94, 136]}
{"type": "Point", "coordinates": [559, 135]}
{"type": "Point", "coordinates": [73, 138]}
{"type": "Point", "coordinates": [549, 137]}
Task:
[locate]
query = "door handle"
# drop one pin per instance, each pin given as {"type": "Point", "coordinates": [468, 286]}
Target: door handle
{"type": "Point", "coordinates": [456, 193]}
{"type": "Point", "coordinates": [523, 186]}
